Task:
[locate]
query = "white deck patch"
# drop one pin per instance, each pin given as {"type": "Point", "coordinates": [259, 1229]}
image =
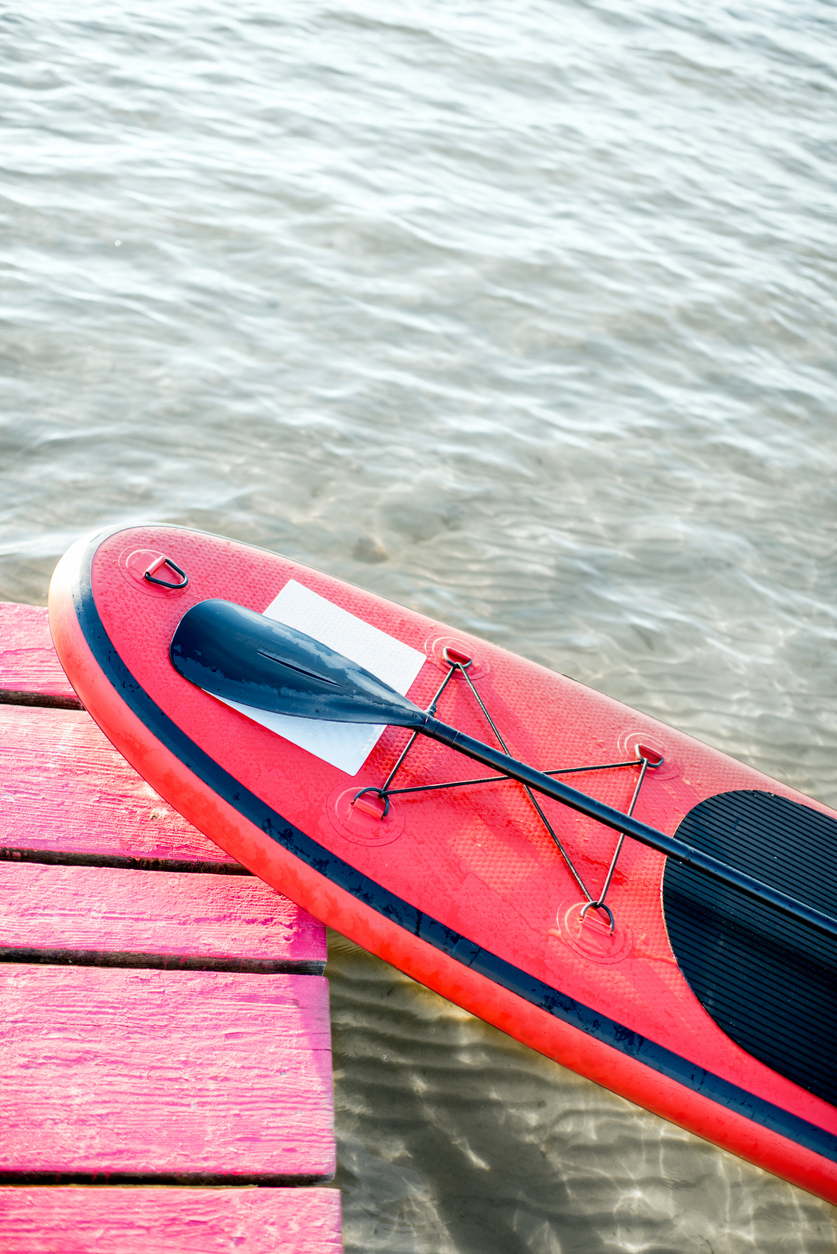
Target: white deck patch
{"type": "Point", "coordinates": [344, 745]}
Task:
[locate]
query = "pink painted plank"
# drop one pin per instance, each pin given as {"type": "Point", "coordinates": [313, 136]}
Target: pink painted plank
{"type": "Point", "coordinates": [65, 789]}
{"type": "Point", "coordinates": [187, 1074]}
{"type": "Point", "coordinates": [169, 1221]}
{"type": "Point", "coordinates": [234, 922]}
{"type": "Point", "coordinates": [28, 662]}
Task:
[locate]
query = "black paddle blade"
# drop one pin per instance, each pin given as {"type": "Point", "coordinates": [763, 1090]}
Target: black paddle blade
{"type": "Point", "coordinates": [235, 653]}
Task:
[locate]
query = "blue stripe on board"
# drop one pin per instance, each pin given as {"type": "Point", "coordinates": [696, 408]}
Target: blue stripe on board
{"type": "Point", "coordinates": [560, 1005]}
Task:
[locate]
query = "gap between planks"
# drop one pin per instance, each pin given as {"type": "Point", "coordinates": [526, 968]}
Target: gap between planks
{"type": "Point", "coordinates": [157, 962]}
{"type": "Point", "coordinates": [11, 696]}
{"type": "Point", "coordinates": [70, 857]}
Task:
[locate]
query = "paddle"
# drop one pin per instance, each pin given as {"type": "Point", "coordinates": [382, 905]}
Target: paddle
{"type": "Point", "coordinates": [237, 654]}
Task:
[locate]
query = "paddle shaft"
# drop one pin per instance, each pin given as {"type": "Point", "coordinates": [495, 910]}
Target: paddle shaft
{"type": "Point", "coordinates": [669, 845]}
{"type": "Point", "coordinates": [239, 655]}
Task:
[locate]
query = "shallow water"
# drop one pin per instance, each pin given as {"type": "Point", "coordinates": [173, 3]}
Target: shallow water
{"type": "Point", "coordinates": [521, 314]}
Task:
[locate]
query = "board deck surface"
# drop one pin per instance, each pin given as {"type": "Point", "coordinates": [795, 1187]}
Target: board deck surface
{"type": "Point", "coordinates": [162, 1025]}
{"type": "Point", "coordinates": [463, 888]}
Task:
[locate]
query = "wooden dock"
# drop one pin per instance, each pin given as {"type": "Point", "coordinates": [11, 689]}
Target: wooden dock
{"type": "Point", "coordinates": [163, 1014]}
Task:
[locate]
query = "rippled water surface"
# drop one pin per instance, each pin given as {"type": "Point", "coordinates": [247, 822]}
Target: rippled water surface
{"type": "Point", "coordinates": [522, 314]}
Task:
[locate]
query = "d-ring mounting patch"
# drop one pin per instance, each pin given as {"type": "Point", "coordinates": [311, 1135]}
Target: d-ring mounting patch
{"type": "Point", "coordinates": [635, 743]}
{"type": "Point", "coordinates": [442, 650]}
{"type": "Point", "coordinates": [151, 572]}
{"type": "Point", "coordinates": [358, 815]}
{"type": "Point", "coordinates": [590, 936]}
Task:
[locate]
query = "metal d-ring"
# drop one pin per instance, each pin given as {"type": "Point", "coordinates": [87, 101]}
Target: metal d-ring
{"type": "Point", "coordinates": [599, 905]}
{"type": "Point", "coordinates": [163, 583]}
{"type": "Point", "coordinates": [452, 662]}
{"type": "Point", "coordinates": [378, 792]}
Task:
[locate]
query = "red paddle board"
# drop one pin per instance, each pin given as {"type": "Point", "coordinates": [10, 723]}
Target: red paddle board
{"type": "Point", "coordinates": [699, 1004]}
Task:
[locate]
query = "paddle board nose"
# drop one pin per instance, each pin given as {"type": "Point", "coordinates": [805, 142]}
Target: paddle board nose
{"type": "Point", "coordinates": [238, 655]}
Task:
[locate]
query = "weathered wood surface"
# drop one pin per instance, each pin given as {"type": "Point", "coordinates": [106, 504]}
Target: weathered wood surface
{"type": "Point", "coordinates": [66, 792]}
{"type": "Point", "coordinates": [141, 1065]}
{"type": "Point", "coordinates": [28, 663]}
{"type": "Point", "coordinates": [102, 916]}
{"type": "Point", "coordinates": [160, 1221]}
{"type": "Point", "coordinates": [184, 1074]}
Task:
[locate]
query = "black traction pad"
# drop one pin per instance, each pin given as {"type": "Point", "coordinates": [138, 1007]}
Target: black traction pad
{"type": "Point", "coordinates": [768, 981]}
